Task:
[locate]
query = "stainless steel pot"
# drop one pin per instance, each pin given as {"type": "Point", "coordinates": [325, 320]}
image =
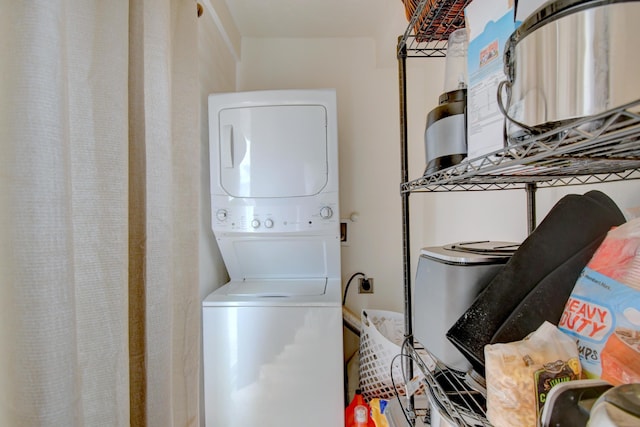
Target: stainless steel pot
{"type": "Point", "coordinates": [617, 407]}
{"type": "Point", "coordinates": [569, 60]}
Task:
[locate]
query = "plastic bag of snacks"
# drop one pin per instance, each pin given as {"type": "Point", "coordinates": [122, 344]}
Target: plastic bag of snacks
{"type": "Point", "coordinates": [603, 311]}
{"type": "Point", "coordinates": [520, 374]}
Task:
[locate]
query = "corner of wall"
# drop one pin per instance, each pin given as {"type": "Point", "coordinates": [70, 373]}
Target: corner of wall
{"type": "Point", "coordinates": [386, 37]}
{"type": "Point", "coordinates": [222, 19]}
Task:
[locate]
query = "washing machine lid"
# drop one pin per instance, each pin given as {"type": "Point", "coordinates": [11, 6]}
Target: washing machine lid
{"type": "Point", "coordinates": [277, 288]}
{"type": "Point", "coordinates": [277, 292]}
{"type": "Point", "coordinates": [472, 252]}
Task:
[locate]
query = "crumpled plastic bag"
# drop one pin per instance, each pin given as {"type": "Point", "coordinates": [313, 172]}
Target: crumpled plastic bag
{"type": "Point", "coordinates": [520, 374]}
{"type": "Point", "coordinates": [603, 310]}
{"type": "Point", "coordinates": [618, 256]}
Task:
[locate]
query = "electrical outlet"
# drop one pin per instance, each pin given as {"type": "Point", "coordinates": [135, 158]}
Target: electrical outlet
{"type": "Point", "coordinates": [344, 237]}
{"type": "Point", "coordinates": [366, 285]}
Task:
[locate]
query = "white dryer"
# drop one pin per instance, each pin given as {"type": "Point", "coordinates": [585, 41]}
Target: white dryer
{"type": "Point", "coordinates": [272, 336]}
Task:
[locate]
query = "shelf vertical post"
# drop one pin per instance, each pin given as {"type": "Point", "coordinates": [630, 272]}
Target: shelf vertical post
{"type": "Point", "coordinates": [404, 172]}
{"type": "Point", "coordinates": [404, 177]}
{"type": "Point", "coordinates": [531, 188]}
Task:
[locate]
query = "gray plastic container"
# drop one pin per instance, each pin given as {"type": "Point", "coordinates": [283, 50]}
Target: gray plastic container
{"type": "Point", "coordinates": [447, 281]}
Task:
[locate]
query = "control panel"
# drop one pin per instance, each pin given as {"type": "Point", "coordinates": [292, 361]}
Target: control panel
{"type": "Point", "coordinates": [239, 217]}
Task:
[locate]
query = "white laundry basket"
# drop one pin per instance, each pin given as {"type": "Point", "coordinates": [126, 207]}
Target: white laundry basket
{"type": "Point", "coordinates": [380, 342]}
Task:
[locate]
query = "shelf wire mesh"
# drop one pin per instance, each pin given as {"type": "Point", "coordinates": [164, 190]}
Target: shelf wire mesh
{"type": "Point", "coordinates": [599, 148]}
{"type": "Point", "coordinates": [430, 24]}
{"type": "Point", "coordinates": [458, 397]}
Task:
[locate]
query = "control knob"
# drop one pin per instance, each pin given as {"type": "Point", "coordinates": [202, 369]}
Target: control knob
{"type": "Point", "coordinates": [268, 223]}
{"type": "Point", "coordinates": [326, 212]}
{"type": "Point", "coordinates": [221, 214]}
{"type": "Point", "coordinates": [255, 223]}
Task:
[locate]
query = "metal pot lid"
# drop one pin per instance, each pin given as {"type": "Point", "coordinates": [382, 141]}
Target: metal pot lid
{"type": "Point", "coordinates": [549, 12]}
{"type": "Point", "coordinates": [625, 397]}
{"type": "Point", "coordinates": [618, 406]}
{"type": "Point", "coordinates": [555, 10]}
{"type": "Point", "coordinates": [472, 252]}
{"type": "Point", "coordinates": [485, 247]}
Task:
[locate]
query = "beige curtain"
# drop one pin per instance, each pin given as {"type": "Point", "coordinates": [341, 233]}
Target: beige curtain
{"type": "Point", "coordinates": [99, 176]}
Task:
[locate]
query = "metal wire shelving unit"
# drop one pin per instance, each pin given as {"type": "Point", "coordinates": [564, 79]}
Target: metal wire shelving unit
{"type": "Point", "coordinates": [596, 149]}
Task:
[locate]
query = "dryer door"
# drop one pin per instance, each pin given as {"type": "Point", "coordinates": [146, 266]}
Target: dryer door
{"type": "Point", "coordinates": [273, 150]}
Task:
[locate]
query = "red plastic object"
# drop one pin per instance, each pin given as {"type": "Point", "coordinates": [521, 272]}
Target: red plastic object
{"type": "Point", "coordinates": [358, 413]}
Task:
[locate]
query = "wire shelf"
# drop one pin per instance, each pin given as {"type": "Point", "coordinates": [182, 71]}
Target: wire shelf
{"type": "Point", "coordinates": [595, 149]}
{"type": "Point", "coordinates": [455, 396]}
{"type": "Point", "coordinates": [430, 25]}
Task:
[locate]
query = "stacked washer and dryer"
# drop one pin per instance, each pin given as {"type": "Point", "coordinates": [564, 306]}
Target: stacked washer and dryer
{"type": "Point", "coordinates": [272, 336]}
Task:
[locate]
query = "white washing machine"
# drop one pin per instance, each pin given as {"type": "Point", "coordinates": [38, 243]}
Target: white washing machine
{"type": "Point", "coordinates": [272, 336]}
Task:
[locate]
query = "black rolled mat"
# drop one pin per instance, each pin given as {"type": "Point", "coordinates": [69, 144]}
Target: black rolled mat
{"type": "Point", "coordinates": [538, 279]}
